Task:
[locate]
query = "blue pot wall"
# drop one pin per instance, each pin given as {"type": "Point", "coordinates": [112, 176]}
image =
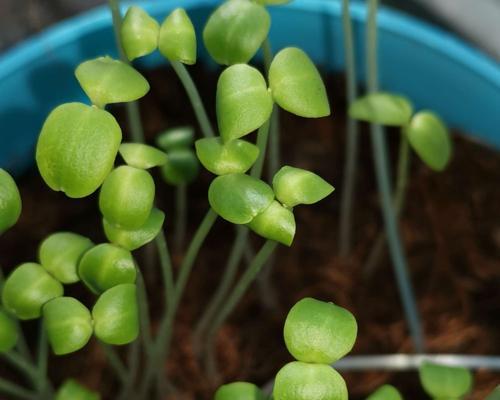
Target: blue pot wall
{"type": "Point", "coordinates": [431, 67]}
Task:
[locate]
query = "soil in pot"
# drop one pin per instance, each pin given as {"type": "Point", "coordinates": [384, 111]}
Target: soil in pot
{"type": "Point", "coordinates": [450, 228]}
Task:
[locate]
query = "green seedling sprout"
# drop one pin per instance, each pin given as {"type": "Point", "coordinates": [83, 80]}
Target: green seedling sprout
{"type": "Point", "coordinates": [72, 390]}
{"type": "Point", "coordinates": [177, 41]}
{"type": "Point", "coordinates": [68, 324]}
{"type": "Point", "coordinates": [235, 31]}
{"type": "Point", "coordinates": [10, 201]}
{"type": "Point", "coordinates": [424, 132]}
{"type": "Point", "coordinates": [239, 391]}
{"type": "Point", "coordinates": [385, 392]}
{"type": "Point", "coordinates": [115, 314]}
{"type": "Point", "coordinates": [444, 382]}
{"type": "Point", "coordinates": [8, 332]}
{"type": "Point", "coordinates": [27, 289]}
{"type": "Point", "coordinates": [60, 254]}
{"type": "Point", "coordinates": [139, 33]}
{"type": "Point", "coordinates": [105, 266]}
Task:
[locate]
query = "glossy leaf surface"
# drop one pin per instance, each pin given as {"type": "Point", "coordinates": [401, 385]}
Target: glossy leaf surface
{"type": "Point", "coordinates": [77, 148]}
{"type": "Point", "coordinates": [276, 223]}
{"type": "Point", "coordinates": [10, 201]}
{"type": "Point", "coordinates": [235, 31]}
{"type": "Point", "coordinates": [239, 391]}
{"type": "Point", "coordinates": [243, 101]}
{"type": "Point", "coordinates": [385, 392]}
{"type": "Point", "coordinates": [60, 254]}
{"type": "Point", "coordinates": [295, 186]}
{"type": "Point", "coordinates": [296, 84]}
{"type": "Point", "coordinates": [443, 382]}
{"type": "Point", "coordinates": [178, 38]}
{"type": "Point", "coordinates": [139, 33]}
{"type": "Point", "coordinates": [8, 332]}
{"type": "Point", "coordinates": [107, 81]}
{"type": "Point", "coordinates": [142, 156]}
{"type": "Point", "coordinates": [181, 167]}
{"type": "Point", "coordinates": [126, 197]}
{"type": "Point", "coordinates": [429, 137]}
{"type": "Point", "coordinates": [319, 332]}
{"type": "Point", "coordinates": [382, 108]}
{"type": "Point", "coordinates": [133, 239]}
{"type": "Point", "coordinates": [105, 266]}
{"type": "Point", "coordinates": [116, 317]}
{"type": "Point", "coordinates": [239, 198]}
{"type": "Point", "coordinates": [68, 324]}
{"type": "Point", "coordinates": [72, 390]}
{"type": "Point", "coordinates": [179, 137]}
{"type": "Point", "coordinates": [303, 381]}
{"type": "Point", "coordinates": [27, 289]}
{"type": "Point", "coordinates": [234, 157]}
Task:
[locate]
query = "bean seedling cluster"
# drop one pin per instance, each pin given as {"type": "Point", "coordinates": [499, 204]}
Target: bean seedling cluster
{"type": "Point", "coordinates": [80, 151]}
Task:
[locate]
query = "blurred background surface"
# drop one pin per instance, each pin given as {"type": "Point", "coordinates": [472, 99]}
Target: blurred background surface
{"type": "Point", "coordinates": [477, 21]}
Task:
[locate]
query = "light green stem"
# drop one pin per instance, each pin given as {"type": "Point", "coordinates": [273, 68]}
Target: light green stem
{"type": "Point", "coordinates": [116, 363]}
{"type": "Point", "coordinates": [11, 389]}
{"type": "Point", "coordinates": [43, 386]}
{"type": "Point", "coordinates": [133, 113]}
{"type": "Point", "coordinates": [162, 343]}
{"type": "Point", "coordinates": [379, 149]}
{"type": "Point", "coordinates": [194, 97]}
{"type": "Point", "coordinates": [22, 365]}
{"type": "Point", "coordinates": [377, 249]}
{"type": "Point", "coordinates": [237, 293]}
{"type": "Point", "coordinates": [262, 139]}
{"type": "Point", "coordinates": [223, 288]}
{"type": "Point", "coordinates": [352, 139]}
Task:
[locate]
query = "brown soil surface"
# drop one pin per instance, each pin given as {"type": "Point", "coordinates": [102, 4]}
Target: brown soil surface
{"type": "Point", "coordinates": [450, 227]}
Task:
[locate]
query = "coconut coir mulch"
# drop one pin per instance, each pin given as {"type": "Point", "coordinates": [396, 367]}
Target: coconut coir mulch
{"type": "Point", "coordinates": [450, 228]}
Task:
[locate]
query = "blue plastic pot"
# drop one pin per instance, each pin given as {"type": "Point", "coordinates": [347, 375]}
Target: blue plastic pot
{"type": "Point", "coordinates": [434, 69]}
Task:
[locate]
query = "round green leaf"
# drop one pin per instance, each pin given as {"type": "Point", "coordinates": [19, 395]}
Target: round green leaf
{"type": "Point", "coordinates": [295, 186]}
{"type": "Point", "coordinates": [105, 266]}
{"type": "Point", "coordinates": [72, 390]}
{"type": "Point", "coordinates": [276, 223]}
{"type": "Point", "coordinates": [68, 324]}
{"type": "Point", "coordinates": [107, 81]}
{"type": "Point", "coordinates": [302, 381]}
{"type": "Point", "coordinates": [239, 391]}
{"type": "Point", "coordinates": [319, 332]}
{"type": "Point", "coordinates": [430, 139]}
{"type": "Point", "coordinates": [126, 197]}
{"type": "Point", "coordinates": [239, 198]}
{"type": "Point", "coordinates": [8, 332]}
{"type": "Point", "coordinates": [382, 108]}
{"type": "Point", "coordinates": [235, 31]}
{"type": "Point", "coordinates": [133, 239]}
{"type": "Point", "coordinates": [181, 167]}
{"type": "Point", "coordinates": [60, 254]}
{"type": "Point", "coordinates": [385, 392]}
{"type": "Point", "coordinates": [176, 138]}
{"type": "Point", "coordinates": [243, 101]}
{"type": "Point", "coordinates": [139, 33]}
{"type": "Point", "coordinates": [177, 38]}
{"type": "Point", "coordinates": [116, 316]}
{"type": "Point", "coordinates": [27, 289]}
{"type": "Point", "coordinates": [10, 201]}
{"type": "Point", "coordinates": [443, 382]}
{"type": "Point", "coordinates": [141, 155]}
{"type": "Point", "coordinates": [77, 148]}
{"type": "Point", "coordinates": [234, 157]}
{"type": "Point", "coordinates": [296, 84]}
